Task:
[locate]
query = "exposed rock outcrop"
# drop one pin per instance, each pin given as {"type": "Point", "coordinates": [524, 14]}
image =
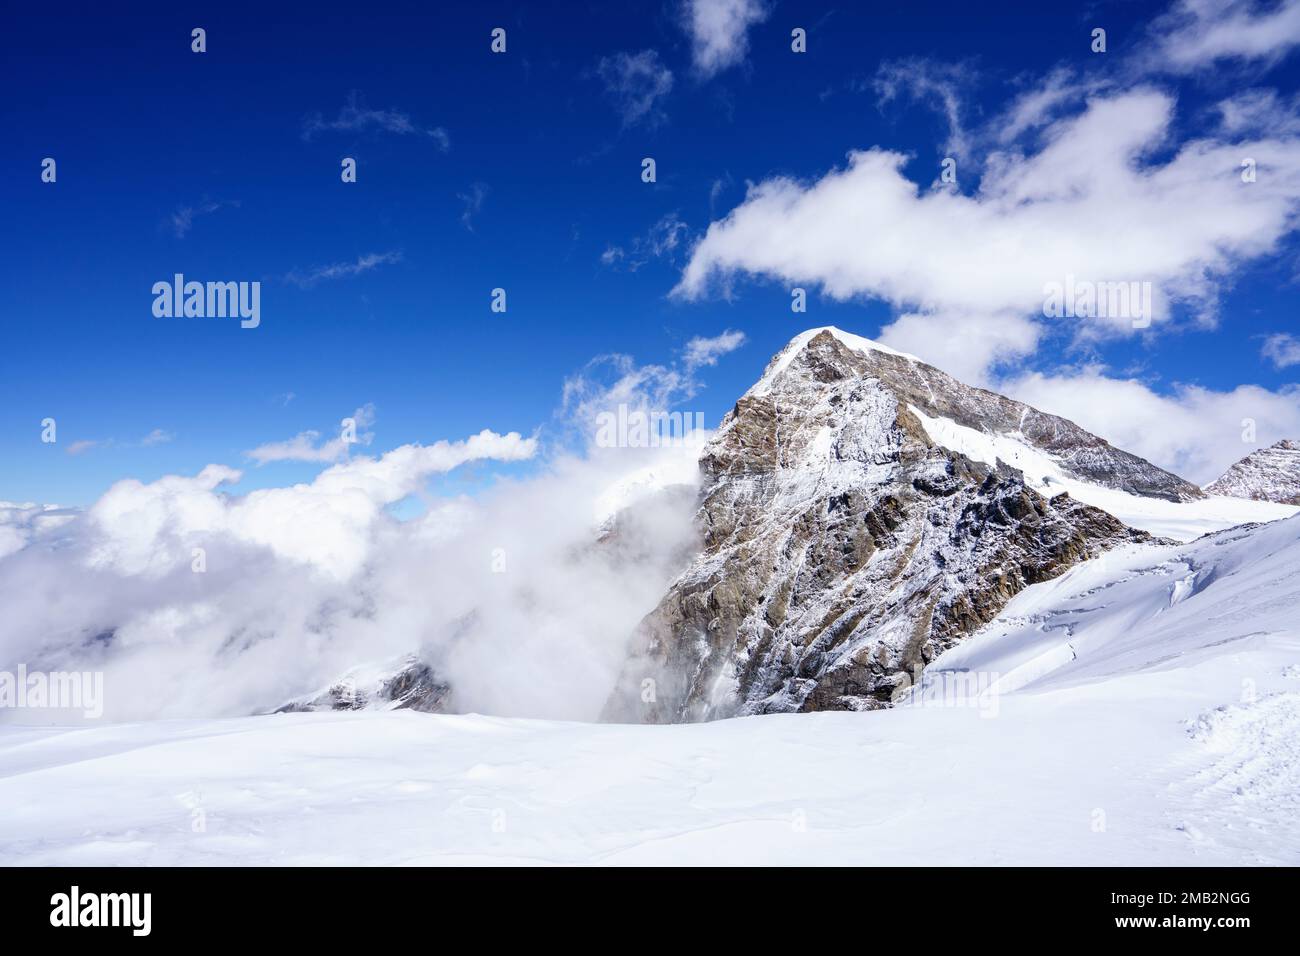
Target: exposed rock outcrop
{"type": "Point", "coordinates": [1269, 474]}
{"type": "Point", "coordinates": [844, 548]}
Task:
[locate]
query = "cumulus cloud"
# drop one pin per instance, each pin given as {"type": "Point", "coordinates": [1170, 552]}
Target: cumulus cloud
{"type": "Point", "coordinates": [20, 522]}
{"type": "Point", "coordinates": [719, 31]}
{"type": "Point", "coordinates": [522, 596]}
{"type": "Point", "coordinates": [1085, 205]}
{"type": "Point", "coordinates": [636, 83]}
{"type": "Point", "coordinates": [1193, 431]}
{"type": "Point", "coordinates": [356, 117]}
{"type": "Point", "coordinates": [145, 528]}
{"type": "Point", "coordinates": [1076, 181]}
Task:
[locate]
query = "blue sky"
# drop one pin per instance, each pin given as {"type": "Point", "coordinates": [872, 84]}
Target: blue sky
{"type": "Point", "coordinates": [521, 171]}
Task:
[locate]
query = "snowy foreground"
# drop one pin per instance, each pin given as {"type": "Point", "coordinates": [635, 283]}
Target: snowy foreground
{"type": "Point", "coordinates": [1142, 709]}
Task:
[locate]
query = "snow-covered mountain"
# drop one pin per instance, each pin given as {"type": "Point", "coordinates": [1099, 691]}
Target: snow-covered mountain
{"type": "Point", "coordinates": [863, 512]}
{"type": "Point", "coordinates": [1104, 695]}
{"type": "Point", "coordinates": [1142, 708]}
{"type": "Point", "coordinates": [1269, 474]}
{"type": "Point", "coordinates": [406, 682]}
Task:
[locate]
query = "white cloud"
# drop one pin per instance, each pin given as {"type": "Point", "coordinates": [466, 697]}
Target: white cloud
{"type": "Point", "coordinates": [1193, 431]}
{"type": "Point", "coordinates": [20, 522]}
{"type": "Point", "coordinates": [341, 270]}
{"type": "Point", "coordinates": [182, 220]}
{"type": "Point", "coordinates": [964, 344]}
{"type": "Point", "coordinates": [307, 446]}
{"type": "Point", "coordinates": [356, 117]}
{"type": "Point", "coordinates": [1282, 349]}
{"type": "Point", "coordinates": [719, 31]}
{"type": "Point", "coordinates": [148, 528]}
{"type": "Point", "coordinates": [701, 352]}
{"type": "Point", "coordinates": [1084, 205]}
{"type": "Point", "coordinates": [663, 240]}
{"type": "Point", "coordinates": [506, 594]}
{"type": "Point", "coordinates": [1042, 102]}
{"type": "Point", "coordinates": [937, 84]}
{"type": "Point", "coordinates": [157, 436]}
{"type": "Point", "coordinates": [1259, 111]}
{"type": "Point", "coordinates": [636, 83]}
{"type": "Point", "coordinates": [1197, 33]}
{"type": "Point", "coordinates": [472, 201]}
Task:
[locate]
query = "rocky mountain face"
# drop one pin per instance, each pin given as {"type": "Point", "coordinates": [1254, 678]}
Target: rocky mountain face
{"type": "Point", "coordinates": [1270, 474]}
{"type": "Point", "coordinates": [844, 547]}
{"type": "Point", "coordinates": [406, 682]}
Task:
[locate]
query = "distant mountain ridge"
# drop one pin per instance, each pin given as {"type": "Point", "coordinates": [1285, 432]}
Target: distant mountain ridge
{"type": "Point", "coordinates": [1269, 474]}
{"type": "Point", "coordinates": [861, 513]}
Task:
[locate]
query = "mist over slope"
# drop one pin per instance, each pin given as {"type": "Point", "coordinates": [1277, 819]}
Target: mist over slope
{"type": "Point", "coordinates": [1143, 710]}
{"type": "Point", "coordinates": [193, 600]}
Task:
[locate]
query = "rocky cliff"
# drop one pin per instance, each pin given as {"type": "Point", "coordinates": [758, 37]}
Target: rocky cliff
{"type": "Point", "coordinates": [844, 547]}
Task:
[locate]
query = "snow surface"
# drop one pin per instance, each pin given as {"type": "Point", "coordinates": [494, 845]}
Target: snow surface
{"type": "Point", "coordinates": [1182, 521]}
{"type": "Point", "coordinates": [1141, 709]}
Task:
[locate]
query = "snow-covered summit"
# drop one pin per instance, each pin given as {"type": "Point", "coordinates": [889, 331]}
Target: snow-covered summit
{"type": "Point", "coordinates": [1269, 474]}
{"type": "Point", "coordinates": [863, 512]}
{"type": "Point", "coordinates": [781, 361]}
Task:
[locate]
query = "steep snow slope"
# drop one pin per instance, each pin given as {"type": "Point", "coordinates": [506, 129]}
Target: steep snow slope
{"type": "Point", "coordinates": [1180, 520]}
{"type": "Point", "coordinates": [1138, 608]}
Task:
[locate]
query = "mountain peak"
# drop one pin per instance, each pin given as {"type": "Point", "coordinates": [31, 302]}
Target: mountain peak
{"type": "Point", "coordinates": [852, 531]}
{"type": "Point", "coordinates": [782, 360]}
{"type": "Point", "coordinates": [1267, 474]}
{"type": "Point", "coordinates": [992, 428]}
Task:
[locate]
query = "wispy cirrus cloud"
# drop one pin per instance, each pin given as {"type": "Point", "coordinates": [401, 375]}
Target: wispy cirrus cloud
{"type": "Point", "coordinates": [939, 85]}
{"type": "Point", "coordinates": [1196, 34]}
{"type": "Point", "coordinates": [340, 270]}
{"type": "Point", "coordinates": [471, 202]}
{"type": "Point", "coordinates": [663, 240]}
{"type": "Point", "coordinates": [356, 117]}
{"type": "Point", "coordinates": [1282, 349]}
{"type": "Point", "coordinates": [636, 83]}
{"type": "Point", "coordinates": [157, 436]}
{"type": "Point", "coordinates": [182, 219]}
